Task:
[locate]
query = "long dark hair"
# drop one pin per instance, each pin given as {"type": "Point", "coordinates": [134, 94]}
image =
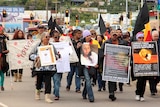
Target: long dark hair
{"type": "Point", "coordinates": [15, 36]}
{"type": "Point", "coordinates": [89, 54]}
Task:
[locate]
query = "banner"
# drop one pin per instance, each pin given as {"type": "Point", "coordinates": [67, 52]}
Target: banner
{"type": "Point", "coordinates": [62, 64]}
{"type": "Point", "coordinates": [116, 63]}
{"type": "Point", "coordinates": [73, 55]}
{"type": "Point", "coordinates": [14, 14]}
{"type": "Point", "coordinates": [19, 51]}
{"type": "Point", "coordinates": [145, 59]}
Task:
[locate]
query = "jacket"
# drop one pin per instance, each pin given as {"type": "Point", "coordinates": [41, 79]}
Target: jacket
{"type": "Point", "coordinates": [34, 54]}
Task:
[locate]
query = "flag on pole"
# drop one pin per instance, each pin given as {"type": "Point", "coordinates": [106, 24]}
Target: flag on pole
{"type": "Point", "coordinates": [52, 25]}
{"type": "Point", "coordinates": [101, 25]}
{"type": "Point", "coordinates": [142, 23]}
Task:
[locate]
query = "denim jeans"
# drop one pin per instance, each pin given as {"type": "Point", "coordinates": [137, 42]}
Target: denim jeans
{"type": "Point", "coordinates": [77, 78]}
{"type": "Point", "coordinates": [88, 86]}
{"type": "Point", "coordinates": [57, 81]}
{"type": "Point", "coordinates": [101, 83]}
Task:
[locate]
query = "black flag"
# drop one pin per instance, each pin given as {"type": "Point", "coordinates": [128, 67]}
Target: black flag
{"type": "Point", "coordinates": [102, 25]}
{"type": "Point", "coordinates": [142, 19]}
{"type": "Point", "coordinates": [52, 25]}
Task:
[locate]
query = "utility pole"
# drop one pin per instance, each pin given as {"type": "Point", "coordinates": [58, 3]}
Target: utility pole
{"type": "Point", "coordinates": [126, 12]}
{"type": "Point", "coordinates": [56, 7]}
{"type": "Point", "coordinates": [47, 10]}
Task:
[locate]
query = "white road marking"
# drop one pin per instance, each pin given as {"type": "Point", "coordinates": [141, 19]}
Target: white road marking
{"type": "Point", "coordinates": [3, 105]}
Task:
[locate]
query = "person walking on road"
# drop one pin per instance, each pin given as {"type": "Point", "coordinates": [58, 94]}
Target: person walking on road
{"type": "Point", "coordinates": [116, 41]}
{"type": "Point", "coordinates": [18, 35]}
{"type": "Point", "coordinates": [45, 72]}
{"type": "Point", "coordinates": [3, 52]}
{"type": "Point", "coordinates": [76, 35]}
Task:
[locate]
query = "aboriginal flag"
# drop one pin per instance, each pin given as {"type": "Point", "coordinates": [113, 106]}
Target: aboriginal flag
{"type": "Point", "coordinates": [142, 23]}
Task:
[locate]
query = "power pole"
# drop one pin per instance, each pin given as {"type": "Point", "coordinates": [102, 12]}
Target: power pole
{"type": "Point", "coordinates": [47, 10]}
{"type": "Point", "coordinates": [126, 12]}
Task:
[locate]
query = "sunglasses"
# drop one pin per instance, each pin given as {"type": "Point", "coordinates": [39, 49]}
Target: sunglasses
{"type": "Point", "coordinates": [93, 33]}
{"type": "Point", "coordinates": [56, 37]}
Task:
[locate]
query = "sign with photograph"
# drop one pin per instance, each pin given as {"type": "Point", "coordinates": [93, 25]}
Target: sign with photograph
{"type": "Point", "coordinates": [47, 56]}
{"type": "Point", "coordinates": [116, 63]}
{"type": "Point", "coordinates": [89, 54]}
{"type": "Point", "coordinates": [145, 59]}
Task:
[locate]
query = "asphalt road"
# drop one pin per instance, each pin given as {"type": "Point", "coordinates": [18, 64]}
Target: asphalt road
{"type": "Point", "coordinates": [21, 94]}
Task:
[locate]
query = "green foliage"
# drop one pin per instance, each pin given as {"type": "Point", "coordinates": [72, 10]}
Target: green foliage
{"type": "Point", "coordinates": [119, 6]}
{"type": "Point", "coordinates": [86, 16]}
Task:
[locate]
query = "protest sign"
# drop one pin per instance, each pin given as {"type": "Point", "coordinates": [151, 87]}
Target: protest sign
{"type": "Point", "coordinates": [19, 51]}
{"type": "Point", "coordinates": [62, 64]}
{"type": "Point", "coordinates": [116, 63]}
{"type": "Point", "coordinates": [89, 54]}
{"type": "Point", "coordinates": [46, 54]}
{"type": "Point", "coordinates": [145, 59]}
{"type": "Point", "coordinates": [73, 55]}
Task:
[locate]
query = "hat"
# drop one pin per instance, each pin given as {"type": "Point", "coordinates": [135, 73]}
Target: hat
{"type": "Point", "coordinates": [86, 33]}
{"type": "Point", "coordinates": [139, 34]}
{"type": "Point", "coordinates": [40, 26]}
{"type": "Point", "coordinates": [1, 28]}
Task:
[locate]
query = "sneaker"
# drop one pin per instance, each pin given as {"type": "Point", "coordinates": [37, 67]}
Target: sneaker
{"type": "Point", "coordinates": [99, 89]}
{"type": "Point", "coordinates": [78, 91]}
{"type": "Point", "coordinates": [142, 99]}
{"type": "Point", "coordinates": [67, 88]}
{"type": "Point", "coordinates": [153, 94]}
{"type": "Point", "coordinates": [84, 97]}
{"type": "Point", "coordinates": [56, 98]}
{"type": "Point", "coordinates": [91, 101]}
{"type": "Point", "coordinates": [137, 97]}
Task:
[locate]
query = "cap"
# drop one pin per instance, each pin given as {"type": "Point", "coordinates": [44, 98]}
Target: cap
{"type": "Point", "coordinates": [139, 34]}
{"type": "Point", "coordinates": [86, 33]}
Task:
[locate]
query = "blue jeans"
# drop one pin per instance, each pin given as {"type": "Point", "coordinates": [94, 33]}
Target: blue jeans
{"type": "Point", "coordinates": [77, 78]}
{"type": "Point", "coordinates": [101, 83]}
{"type": "Point", "coordinates": [88, 86]}
{"type": "Point", "coordinates": [57, 81]}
